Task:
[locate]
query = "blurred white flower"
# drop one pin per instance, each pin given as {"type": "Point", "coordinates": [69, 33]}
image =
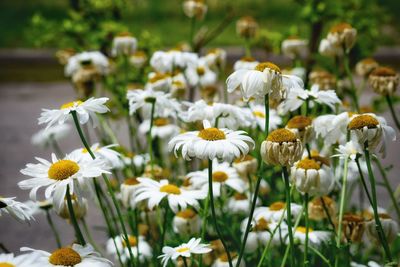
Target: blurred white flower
{"type": "Point", "coordinates": [95, 58]}
{"type": "Point", "coordinates": [124, 44]}
{"type": "Point", "coordinates": [44, 137]}
{"type": "Point", "coordinates": [145, 250]}
{"type": "Point", "coordinates": [17, 210]}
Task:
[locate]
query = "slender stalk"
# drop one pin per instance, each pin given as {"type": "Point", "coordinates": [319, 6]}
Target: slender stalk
{"type": "Point", "coordinates": [321, 256]}
{"type": "Point", "coordinates": [185, 261]}
{"type": "Point", "coordinates": [149, 138]}
{"type": "Point", "coordinates": [164, 227]}
{"type": "Point", "coordinates": [56, 147]}
{"type": "Point", "coordinates": [392, 111]}
{"type": "Point", "coordinates": [266, 106]}
{"type": "Point", "coordinates": [378, 224]}
{"type": "Point", "coordinates": [388, 187]}
{"type": "Point", "coordinates": [53, 228]}
{"type": "Point", "coordinates": [328, 216]}
{"type": "Point", "coordinates": [353, 89]}
{"type": "Point", "coordinates": [204, 226]}
{"type": "Point", "coordinates": [89, 235]}
{"type": "Point", "coordinates": [109, 186]}
{"type": "Point", "coordinates": [74, 221]}
{"type": "Point", "coordinates": [247, 47]}
{"type": "Point", "coordinates": [362, 178]}
{"type": "Point", "coordinates": [214, 216]}
{"type": "Point", "coordinates": [341, 209]}
{"type": "Point", "coordinates": [137, 237]}
{"type": "Point", "coordinates": [289, 214]}
{"type": "Point", "coordinates": [306, 199]}
{"type": "Point", "coordinates": [4, 248]}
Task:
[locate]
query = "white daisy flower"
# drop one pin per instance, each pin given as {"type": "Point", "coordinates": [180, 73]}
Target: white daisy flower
{"type": "Point", "coordinates": [165, 106]}
{"type": "Point", "coordinates": [223, 261]}
{"type": "Point", "coordinates": [138, 160]}
{"type": "Point", "coordinates": [297, 96]}
{"type": "Point", "coordinates": [184, 250]}
{"type": "Point", "coordinates": [9, 260]}
{"type": "Point", "coordinates": [77, 255]}
{"type": "Point", "coordinates": [162, 128]}
{"type": "Point", "coordinates": [187, 222]}
{"type": "Point", "coordinates": [123, 44]}
{"type": "Point", "coordinates": [223, 175]}
{"type": "Point", "coordinates": [211, 143]}
{"type": "Point", "coordinates": [326, 48]}
{"type": "Point", "coordinates": [95, 58]}
{"type": "Point", "coordinates": [167, 62]}
{"type": "Point", "coordinates": [265, 78]}
{"type": "Point", "coordinates": [158, 81]}
{"type": "Point", "coordinates": [351, 149]}
{"type": "Point", "coordinates": [112, 158]}
{"type": "Point", "coordinates": [245, 63]}
{"type": "Point", "coordinates": [194, 9]}
{"type": "Point", "coordinates": [44, 137]}
{"type": "Point", "coordinates": [38, 207]}
{"type": "Point", "coordinates": [17, 210]}
{"type": "Point", "coordinates": [178, 198]}
{"type": "Point", "coordinates": [84, 110]}
{"type": "Point", "coordinates": [215, 58]}
{"type": "Point", "coordinates": [275, 211]}
{"type": "Point", "coordinates": [294, 47]}
{"type": "Point", "coordinates": [60, 173]}
{"type": "Point", "coordinates": [200, 74]}
{"type": "Point", "coordinates": [258, 114]}
{"type": "Point", "coordinates": [369, 264]}
{"type": "Point", "coordinates": [316, 238]}
{"type": "Point", "coordinates": [332, 128]}
{"type": "Point", "coordinates": [145, 250]}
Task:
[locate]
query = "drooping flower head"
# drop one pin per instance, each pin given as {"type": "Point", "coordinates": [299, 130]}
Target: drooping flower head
{"type": "Point", "coordinates": [384, 80]}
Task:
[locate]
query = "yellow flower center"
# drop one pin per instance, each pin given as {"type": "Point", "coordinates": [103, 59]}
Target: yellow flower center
{"type": "Point", "coordinates": [186, 214]}
{"type": "Point", "coordinates": [131, 181]}
{"type": "Point", "coordinates": [279, 205]}
{"type": "Point", "coordinates": [158, 77]}
{"type": "Point", "coordinates": [262, 225]}
{"type": "Point", "coordinates": [302, 229]}
{"type": "Point", "coordinates": [124, 34]}
{"type": "Point", "coordinates": [132, 241]}
{"type": "Point", "coordinates": [63, 169]}
{"type": "Point", "coordinates": [361, 121]}
{"type": "Point", "coordinates": [308, 164]}
{"type": "Point", "coordinates": [170, 189]}
{"type": "Point", "coordinates": [243, 159]}
{"type": "Point", "coordinates": [281, 135]}
{"type": "Point", "coordinates": [299, 122]}
{"type": "Point", "coordinates": [211, 134]}
{"type": "Point", "coordinates": [161, 122]}
{"type": "Point", "coordinates": [259, 114]}
{"type": "Point", "coordinates": [219, 176]}
{"type": "Point", "coordinates": [341, 27]}
{"type": "Point", "coordinates": [200, 71]}
{"type": "Point", "coordinates": [238, 196]}
{"type": "Point", "coordinates": [247, 59]}
{"type": "Point", "coordinates": [327, 200]}
{"type": "Point", "coordinates": [352, 218]}
{"type": "Point", "coordinates": [383, 72]}
{"type": "Point", "coordinates": [267, 65]}
{"type": "Point", "coordinates": [71, 104]}
{"type": "Point", "coordinates": [139, 53]}
{"type": "Point", "coordinates": [183, 249]}
{"type": "Point", "coordinates": [6, 264]}
{"type": "Point", "coordinates": [224, 257]}
{"type": "Point", "coordinates": [65, 257]}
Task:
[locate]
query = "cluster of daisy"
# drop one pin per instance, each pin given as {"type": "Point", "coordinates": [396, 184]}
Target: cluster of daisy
{"type": "Point", "coordinates": [256, 170]}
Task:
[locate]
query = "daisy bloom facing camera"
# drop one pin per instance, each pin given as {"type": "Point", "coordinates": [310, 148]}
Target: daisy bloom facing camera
{"type": "Point", "coordinates": [210, 143]}
{"type": "Point", "coordinates": [84, 110]}
{"type": "Point", "coordinates": [184, 250]}
{"type": "Point", "coordinates": [58, 174]}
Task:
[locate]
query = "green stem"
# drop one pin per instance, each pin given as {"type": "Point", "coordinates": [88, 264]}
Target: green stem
{"type": "Point", "coordinates": [204, 225]}
{"type": "Point", "coordinates": [5, 250]}
{"type": "Point", "coordinates": [109, 186]}
{"type": "Point", "coordinates": [214, 216]}
{"type": "Point", "coordinates": [74, 221]}
{"type": "Point", "coordinates": [247, 47]}
{"type": "Point", "coordinates": [89, 235]}
{"type": "Point", "coordinates": [353, 90]}
{"type": "Point", "coordinates": [378, 224]}
{"type": "Point", "coordinates": [164, 227]}
{"type": "Point", "coordinates": [321, 256]}
{"type": "Point", "coordinates": [289, 214]}
{"type": "Point", "coordinates": [388, 187]}
{"type": "Point", "coordinates": [150, 139]}
{"type": "Point", "coordinates": [266, 106]}
{"type": "Point", "coordinates": [56, 147]}
{"type": "Point", "coordinates": [392, 111]}
{"type": "Point", "coordinates": [341, 210]}
{"type": "Point", "coordinates": [363, 181]}
{"type": "Point", "coordinates": [328, 216]}
{"type": "Point", "coordinates": [306, 199]}
{"type": "Point", "coordinates": [53, 228]}
{"type": "Point", "coordinates": [185, 261]}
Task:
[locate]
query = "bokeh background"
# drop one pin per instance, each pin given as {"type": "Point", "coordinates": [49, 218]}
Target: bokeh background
{"type": "Point", "coordinates": [31, 78]}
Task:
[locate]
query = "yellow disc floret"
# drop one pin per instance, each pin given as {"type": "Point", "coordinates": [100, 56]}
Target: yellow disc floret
{"type": "Point", "coordinates": [212, 134]}
{"type": "Point", "coordinates": [267, 65]}
{"type": "Point", "coordinates": [303, 230]}
{"type": "Point", "coordinates": [341, 27]}
{"type": "Point", "coordinates": [63, 169]}
{"type": "Point", "coordinates": [161, 122]}
{"type": "Point", "coordinates": [219, 176]}
{"type": "Point", "coordinates": [383, 72]}
{"type": "Point", "coordinates": [131, 181]}
{"type": "Point", "coordinates": [132, 241]}
{"type": "Point", "coordinates": [170, 189]}
{"type": "Point", "coordinates": [308, 164]}
{"type": "Point", "coordinates": [279, 205]}
{"type": "Point", "coordinates": [186, 214]}
{"type": "Point", "coordinates": [182, 249]}
{"type": "Point", "coordinates": [299, 122]}
{"type": "Point", "coordinates": [361, 121]}
{"type": "Point", "coordinates": [281, 135]}
{"type": "Point", "coordinates": [71, 104]}
{"type": "Point", "coordinates": [65, 257]}
{"type": "Point", "coordinates": [6, 264]}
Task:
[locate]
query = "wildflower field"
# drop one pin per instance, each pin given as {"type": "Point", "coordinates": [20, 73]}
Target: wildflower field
{"type": "Point", "coordinates": [192, 154]}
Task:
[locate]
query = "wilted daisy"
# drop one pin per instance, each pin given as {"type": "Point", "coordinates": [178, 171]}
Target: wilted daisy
{"type": "Point", "coordinates": [84, 110]}
{"type": "Point", "coordinates": [260, 234]}
{"type": "Point", "coordinates": [246, 27]}
{"type": "Point", "coordinates": [211, 143]}
{"type": "Point", "coordinates": [353, 227]}
{"type": "Point", "coordinates": [276, 210]}
{"type": "Point", "coordinates": [311, 177]}
{"type": "Point", "coordinates": [200, 74]}
{"type": "Point", "coordinates": [343, 36]}
{"type": "Point", "coordinates": [158, 81]}
{"type": "Point", "coordinates": [110, 156]}
{"type": "Point", "coordinates": [80, 207]}
{"type": "Point", "coordinates": [124, 44]}
{"type": "Point", "coordinates": [195, 9]}
{"type": "Point", "coordinates": [373, 129]}
{"type": "Point", "coordinates": [45, 137]}
{"type": "Point", "coordinates": [145, 250]}
{"type": "Point", "coordinates": [282, 147]}
{"type": "Point", "coordinates": [9, 260]}
{"type": "Point", "coordinates": [317, 206]}
{"type": "Point", "coordinates": [294, 47]}
{"type": "Point", "coordinates": [95, 58]}
{"type": "Point", "coordinates": [163, 128]}
{"type": "Point", "coordinates": [222, 175]}
{"type": "Point", "coordinates": [366, 66]}
{"type": "Point", "coordinates": [178, 198]}
{"type": "Point", "coordinates": [245, 63]}
{"type": "Point", "coordinates": [316, 238]}
{"type": "Point", "coordinates": [298, 96]}
{"type": "Point", "coordinates": [384, 80]}
{"type": "Point", "coordinates": [186, 222]}
{"type": "Point", "coordinates": [58, 174]}
{"type": "Point", "coordinates": [324, 79]}
{"type": "Point", "coordinates": [246, 165]}
{"type": "Point", "coordinates": [184, 250]}
{"type": "Point", "coordinates": [301, 126]}
{"type": "Point", "coordinates": [77, 255]}
{"type": "Point", "coordinates": [265, 78]}
{"type": "Point", "coordinates": [240, 203]}
{"type": "Point", "coordinates": [17, 210]}
{"type": "Point", "coordinates": [390, 229]}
